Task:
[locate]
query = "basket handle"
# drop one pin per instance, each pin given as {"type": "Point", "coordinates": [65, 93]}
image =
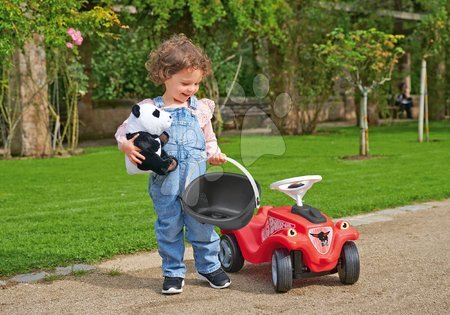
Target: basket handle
{"type": "Point", "coordinates": [250, 178]}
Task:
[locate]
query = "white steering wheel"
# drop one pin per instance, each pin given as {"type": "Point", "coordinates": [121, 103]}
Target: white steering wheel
{"type": "Point", "coordinates": [296, 187]}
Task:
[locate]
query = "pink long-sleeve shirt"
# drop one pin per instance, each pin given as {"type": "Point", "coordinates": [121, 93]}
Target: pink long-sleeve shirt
{"type": "Point", "coordinates": [204, 113]}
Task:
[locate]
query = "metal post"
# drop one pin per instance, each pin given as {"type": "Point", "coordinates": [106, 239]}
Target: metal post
{"type": "Point", "coordinates": [364, 126]}
{"type": "Point", "coordinates": [422, 98]}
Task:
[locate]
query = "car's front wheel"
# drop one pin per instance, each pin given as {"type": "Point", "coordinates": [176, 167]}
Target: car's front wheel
{"type": "Point", "coordinates": [348, 266]}
{"type": "Point", "coordinates": [282, 270]}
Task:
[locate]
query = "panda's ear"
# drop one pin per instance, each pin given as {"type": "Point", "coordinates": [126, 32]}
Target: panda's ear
{"type": "Point", "coordinates": [156, 113]}
{"type": "Point", "coordinates": [136, 110]}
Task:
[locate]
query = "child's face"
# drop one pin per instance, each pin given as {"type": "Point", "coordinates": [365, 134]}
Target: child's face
{"type": "Point", "coordinates": [183, 84]}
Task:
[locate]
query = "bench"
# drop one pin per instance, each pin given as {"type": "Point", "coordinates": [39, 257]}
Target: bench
{"type": "Point", "coordinates": [254, 110]}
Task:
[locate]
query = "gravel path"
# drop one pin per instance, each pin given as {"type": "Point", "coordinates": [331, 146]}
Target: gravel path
{"type": "Point", "coordinates": [405, 269]}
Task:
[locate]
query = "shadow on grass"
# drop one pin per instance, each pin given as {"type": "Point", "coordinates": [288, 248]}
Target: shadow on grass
{"type": "Point", "coordinates": [361, 157]}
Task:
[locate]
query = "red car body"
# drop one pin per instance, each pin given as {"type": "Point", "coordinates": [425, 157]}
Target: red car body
{"type": "Point", "coordinates": [272, 228]}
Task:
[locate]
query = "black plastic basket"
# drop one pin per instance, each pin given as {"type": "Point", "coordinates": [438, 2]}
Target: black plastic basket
{"type": "Point", "coordinates": [226, 200]}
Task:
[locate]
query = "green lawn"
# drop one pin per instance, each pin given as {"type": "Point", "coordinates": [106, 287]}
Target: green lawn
{"type": "Point", "coordinates": [58, 211]}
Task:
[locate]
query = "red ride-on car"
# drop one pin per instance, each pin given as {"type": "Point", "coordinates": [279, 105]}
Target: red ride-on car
{"type": "Point", "coordinates": [300, 241]}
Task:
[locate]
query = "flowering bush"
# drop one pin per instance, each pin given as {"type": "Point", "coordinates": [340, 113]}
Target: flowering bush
{"type": "Point", "coordinates": [76, 37]}
{"type": "Point", "coordinates": [45, 26]}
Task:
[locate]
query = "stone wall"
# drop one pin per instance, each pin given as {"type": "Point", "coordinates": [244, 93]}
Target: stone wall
{"type": "Point", "coordinates": [101, 119]}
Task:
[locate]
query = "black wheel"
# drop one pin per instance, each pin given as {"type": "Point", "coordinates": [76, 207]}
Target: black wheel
{"type": "Point", "coordinates": [230, 255]}
{"type": "Point", "coordinates": [281, 270]}
{"type": "Point", "coordinates": [348, 267]}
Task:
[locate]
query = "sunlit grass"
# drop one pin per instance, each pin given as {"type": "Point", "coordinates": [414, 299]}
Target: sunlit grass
{"type": "Point", "coordinates": [61, 211]}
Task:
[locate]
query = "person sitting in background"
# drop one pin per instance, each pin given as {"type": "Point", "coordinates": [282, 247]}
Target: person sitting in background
{"type": "Point", "coordinates": [404, 101]}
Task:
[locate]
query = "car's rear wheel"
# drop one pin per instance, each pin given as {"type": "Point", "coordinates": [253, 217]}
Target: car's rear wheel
{"type": "Point", "coordinates": [230, 255]}
{"type": "Point", "coordinates": [348, 266]}
{"type": "Point", "coordinates": [282, 270]}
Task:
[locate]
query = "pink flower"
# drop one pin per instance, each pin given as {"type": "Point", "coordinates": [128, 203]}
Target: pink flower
{"type": "Point", "coordinates": [69, 45]}
{"type": "Point", "coordinates": [76, 36]}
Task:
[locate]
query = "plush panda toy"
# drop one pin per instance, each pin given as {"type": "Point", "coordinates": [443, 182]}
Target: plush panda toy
{"type": "Point", "coordinates": [149, 122]}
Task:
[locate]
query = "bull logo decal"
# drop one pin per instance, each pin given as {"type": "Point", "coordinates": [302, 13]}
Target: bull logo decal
{"type": "Point", "coordinates": [321, 238]}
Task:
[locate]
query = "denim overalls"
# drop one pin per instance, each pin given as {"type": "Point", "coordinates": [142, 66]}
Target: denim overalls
{"type": "Point", "coordinates": [187, 144]}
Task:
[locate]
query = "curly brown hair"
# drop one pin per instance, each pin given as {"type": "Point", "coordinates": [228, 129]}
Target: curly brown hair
{"type": "Point", "coordinates": [174, 55]}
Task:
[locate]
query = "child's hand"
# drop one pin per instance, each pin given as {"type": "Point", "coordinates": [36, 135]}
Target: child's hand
{"type": "Point", "coordinates": [172, 166]}
{"type": "Point", "coordinates": [217, 159]}
{"type": "Point", "coordinates": [132, 151]}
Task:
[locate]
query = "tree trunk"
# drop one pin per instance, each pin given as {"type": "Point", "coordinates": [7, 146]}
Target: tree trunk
{"type": "Point", "coordinates": [212, 88]}
{"type": "Point", "coordinates": [364, 128]}
{"type": "Point", "coordinates": [85, 105]}
{"type": "Point", "coordinates": [437, 110]}
{"type": "Point", "coordinates": [261, 55]}
{"type": "Point", "coordinates": [291, 122]}
{"type": "Point", "coordinates": [11, 114]}
{"type": "Point", "coordinates": [292, 119]}
{"type": "Point", "coordinates": [400, 27]}
{"type": "Point", "coordinates": [406, 68]}
{"type": "Point", "coordinates": [34, 135]}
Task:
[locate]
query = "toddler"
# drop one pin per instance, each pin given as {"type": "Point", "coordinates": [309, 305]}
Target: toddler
{"type": "Point", "coordinates": [180, 66]}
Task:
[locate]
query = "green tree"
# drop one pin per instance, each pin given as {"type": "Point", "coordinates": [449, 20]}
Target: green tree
{"type": "Point", "coordinates": [366, 59]}
{"type": "Point", "coordinates": [314, 79]}
{"type": "Point", "coordinates": [32, 31]}
{"type": "Point", "coordinates": [229, 31]}
{"type": "Point", "coordinates": [433, 34]}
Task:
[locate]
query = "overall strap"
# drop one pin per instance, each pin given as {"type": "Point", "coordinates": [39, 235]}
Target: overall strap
{"type": "Point", "coordinates": [193, 102]}
{"type": "Point", "coordinates": [159, 102]}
